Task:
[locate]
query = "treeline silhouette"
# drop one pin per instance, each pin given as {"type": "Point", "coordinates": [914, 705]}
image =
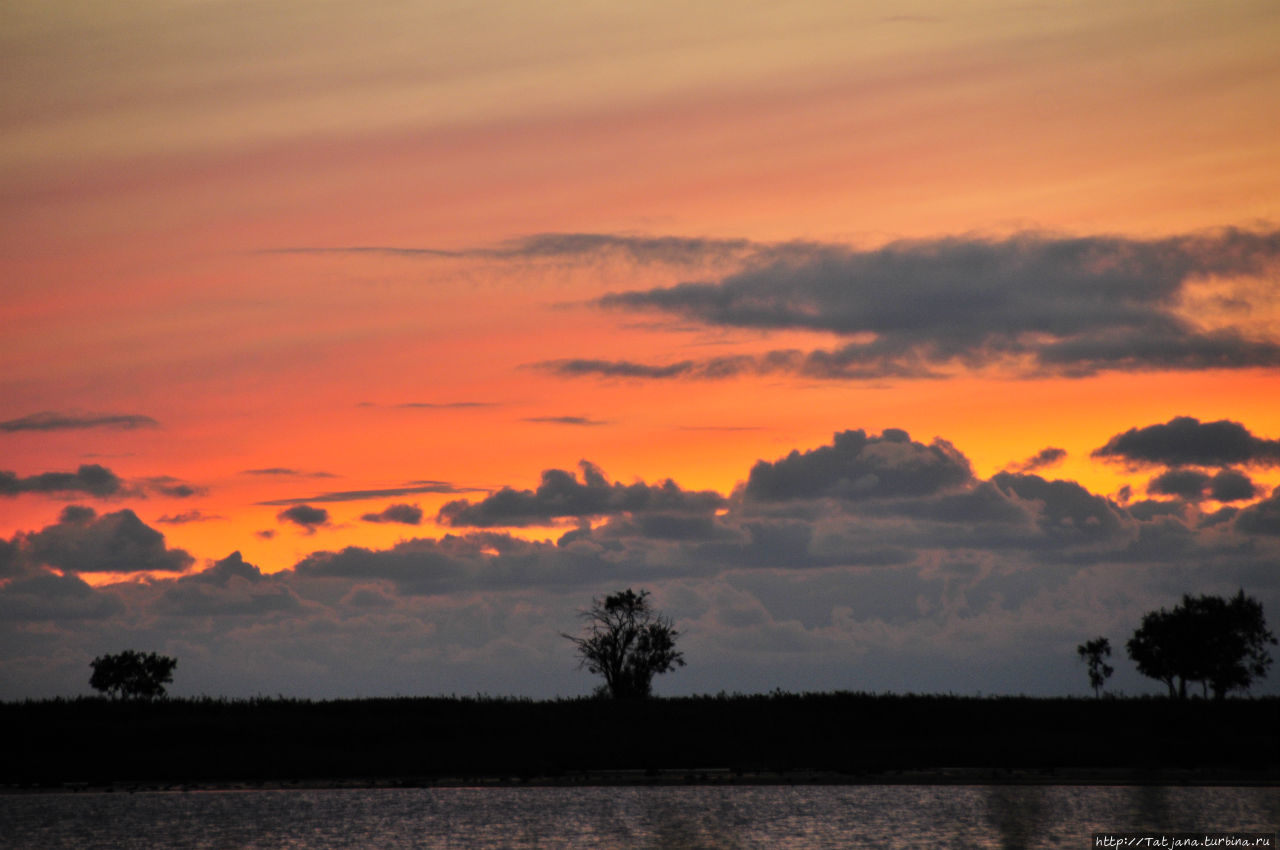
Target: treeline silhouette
{"type": "Point", "coordinates": [855, 736]}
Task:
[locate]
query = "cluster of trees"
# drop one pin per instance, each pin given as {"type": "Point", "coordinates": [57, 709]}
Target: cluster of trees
{"type": "Point", "coordinates": [1220, 643]}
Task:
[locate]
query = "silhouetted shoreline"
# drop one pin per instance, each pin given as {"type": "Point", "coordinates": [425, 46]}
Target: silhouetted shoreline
{"type": "Point", "coordinates": [833, 738]}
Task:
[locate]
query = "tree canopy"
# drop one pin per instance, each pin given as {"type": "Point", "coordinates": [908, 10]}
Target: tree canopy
{"type": "Point", "coordinates": [1220, 643]}
{"type": "Point", "coordinates": [132, 675]}
{"type": "Point", "coordinates": [628, 643]}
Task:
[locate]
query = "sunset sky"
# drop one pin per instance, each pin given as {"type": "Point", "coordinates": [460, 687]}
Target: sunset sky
{"type": "Point", "coordinates": [353, 348]}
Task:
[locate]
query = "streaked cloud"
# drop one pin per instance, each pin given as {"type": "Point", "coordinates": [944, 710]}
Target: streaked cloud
{"type": "Point", "coordinates": [363, 495]}
{"type": "Point", "coordinates": [566, 420]}
{"type": "Point", "coordinates": [91, 479]}
{"type": "Point", "coordinates": [1029, 304]}
{"type": "Point", "coordinates": [51, 421]}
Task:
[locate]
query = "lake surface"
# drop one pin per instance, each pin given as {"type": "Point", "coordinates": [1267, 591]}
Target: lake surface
{"type": "Point", "coordinates": [776, 817]}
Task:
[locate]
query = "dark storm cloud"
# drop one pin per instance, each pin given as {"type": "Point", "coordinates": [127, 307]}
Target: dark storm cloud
{"type": "Point", "coordinates": [561, 496]}
{"type": "Point", "coordinates": [1041, 304]}
{"type": "Point", "coordinates": [1186, 441]}
{"type": "Point", "coordinates": [90, 478]}
{"type": "Point", "coordinates": [306, 516]}
{"type": "Point", "coordinates": [118, 542]}
{"type": "Point", "coordinates": [406, 514]}
{"type": "Point", "coordinates": [363, 495]}
{"type": "Point", "coordinates": [1040, 460]}
{"type": "Point", "coordinates": [50, 421]}
{"type": "Point", "coordinates": [566, 420]}
{"type": "Point", "coordinates": [856, 466]}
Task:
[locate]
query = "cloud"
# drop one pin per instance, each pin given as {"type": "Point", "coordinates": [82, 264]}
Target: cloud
{"type": "Point", "coordinates": [61, 598]}
{"type": "Point", "coordinates": [174, 488]}
{"type": "Point", "coordinates": [285, 471]}
{"type": "Point", "coordinates": [856, 466]}
{"type": "Point", "coordinates": [119, 542]}
{"type": "Point", "coordinates": [230, 587]}
{"type": "Point", "coordinates": [871, 561]}
{"type": "Point", "coordinates": [1042, 459]}
{"type": "Point", "coordinates": [561, 495]}
{"type": "Point", "coordinates": [305, 516]}
{"type": "Point", "coordinates": [187, 517]}
{"type": "Point", "coordinates": [671, 250]}
{"type": "Point", "coordinates": [50, 421]}
{"type": "Point", "coordinates": [406, 514]}
{"type": "Point", "coordinates": [1262, 517]}
{"type": "Point", "coordinates": [566, 420]}
{"type": "Point", "coordinates": [1030, 304]}
{"type": "Point", "coordinates": [362, 495]}
{"type": "Point", "coordinates": [1227, 485]}
{"type": "Point", "coordinates": [1186, 441]}
{"type": "Point", "coordinates": [92, 479]}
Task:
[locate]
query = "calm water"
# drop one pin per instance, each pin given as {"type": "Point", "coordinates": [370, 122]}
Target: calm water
{"type": "Point", "coordinates": [775, 817]}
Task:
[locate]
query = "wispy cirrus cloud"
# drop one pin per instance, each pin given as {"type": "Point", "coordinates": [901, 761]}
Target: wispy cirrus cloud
{"type": "Point", "coordinates": [362, 495]}
{"type": "Point", "coordinates": [585, 421]}
{"type": "Point", "coordinates": [52, 421]}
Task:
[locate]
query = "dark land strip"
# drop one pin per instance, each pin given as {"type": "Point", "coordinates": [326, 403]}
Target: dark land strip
{"type": "Point", "coordinates": [739, 739]}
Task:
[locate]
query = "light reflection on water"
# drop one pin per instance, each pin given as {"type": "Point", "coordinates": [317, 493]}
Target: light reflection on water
{"type": "Point", "coordinates": [779, 817]}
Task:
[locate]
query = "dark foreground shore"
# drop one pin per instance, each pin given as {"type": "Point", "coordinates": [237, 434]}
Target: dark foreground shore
{"type": "Point", "coordinates": [776, 738]}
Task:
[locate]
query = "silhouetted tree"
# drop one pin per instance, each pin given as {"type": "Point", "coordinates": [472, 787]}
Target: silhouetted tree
{"type": "Point", "coordinates": [132, 674]}
{"type": "Point", "coordinates": [628, 643]}
{"type": "Point", "coordinates": [1220, 643]}
{"type": "Point", "coordinates": [1092, 652]}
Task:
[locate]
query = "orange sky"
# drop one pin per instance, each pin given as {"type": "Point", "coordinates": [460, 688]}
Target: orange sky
{"type": "Point", "coordinates": [174, 177]}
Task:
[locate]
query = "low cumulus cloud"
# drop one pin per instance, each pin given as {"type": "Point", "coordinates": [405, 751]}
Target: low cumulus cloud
{"type": "Point", "coordinates": [82, 541]}
{"type": "Point", "coordinates": [1032, 304]}
{"type": "Point", "coordinates": [1227, 485]}
{"type": "Point", "coordinates": [561, 496]}
{"type": "Point", "coordinates": [51, 421]}
{"type": "Point", "coordinates": [869, 561]}
{"type": "Point", "coordinates": [856, 466]}
{"type": "Point", "coordinates": [91, 478]}
{"type": "Point", "coordinates": [1186, 441]}
{"type": "Point", "coordinates": [404, 514]}
{"type": "Point", "coordinates": [305, 517]}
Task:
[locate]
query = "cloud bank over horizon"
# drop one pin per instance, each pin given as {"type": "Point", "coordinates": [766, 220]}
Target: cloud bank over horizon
{"type": "Point", "coordinates": [874, 561]}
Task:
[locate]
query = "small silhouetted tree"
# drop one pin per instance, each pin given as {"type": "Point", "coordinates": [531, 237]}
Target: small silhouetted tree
{"type": "Point", "coordinates": [1220, 643]}
{"type": "Point", "coordinates": [1092, 652]}
{"type": "Point", "coordinates": [628, 643]}
{"type": "Point", "coordinates": [132, 675]}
